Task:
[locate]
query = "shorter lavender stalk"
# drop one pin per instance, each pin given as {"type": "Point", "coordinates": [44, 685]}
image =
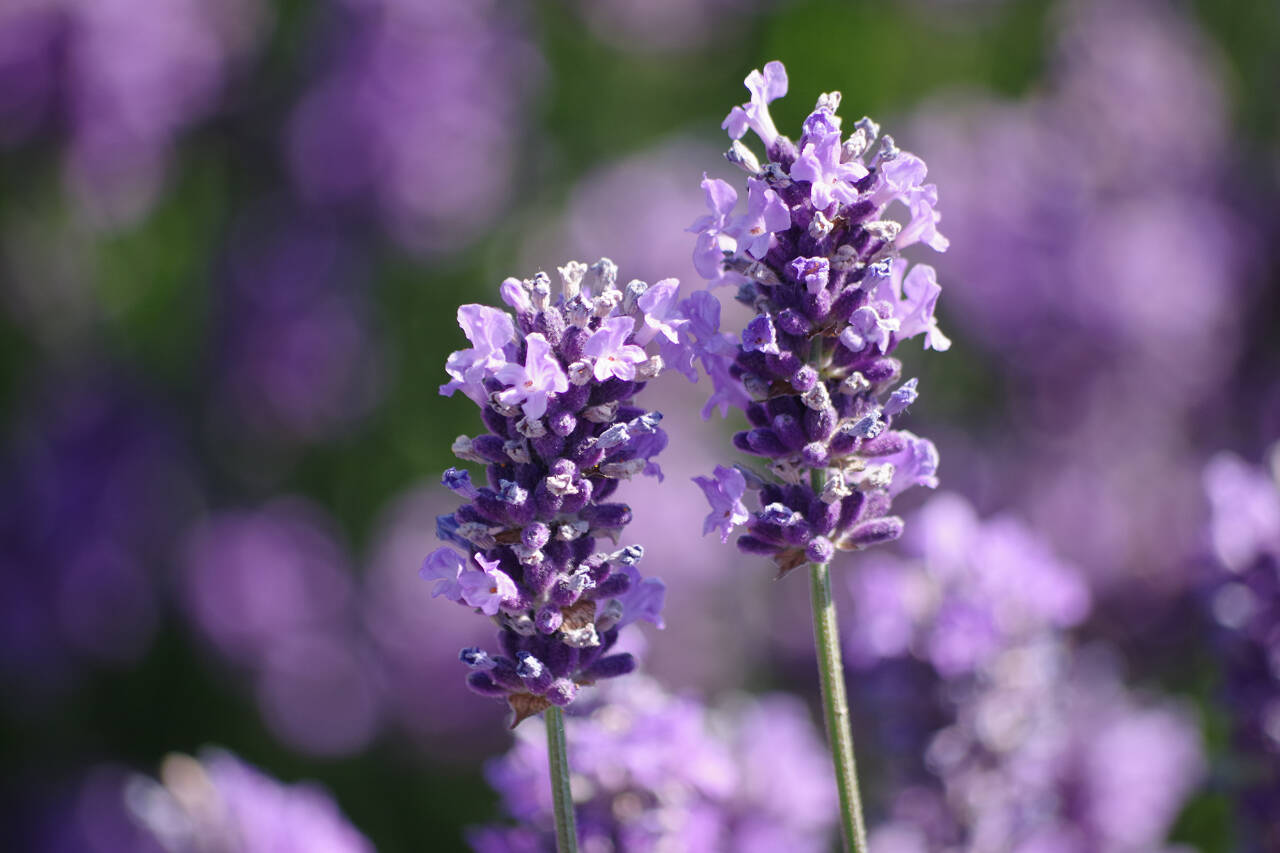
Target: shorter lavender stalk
{"type": "Point", "coordinates": [835, 703]}
{"type": "Point", "coordinates": [561, 794]}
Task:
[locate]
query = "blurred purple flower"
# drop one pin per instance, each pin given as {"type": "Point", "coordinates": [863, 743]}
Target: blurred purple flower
{"type": "Point", "coordinates": [1242, 596]}
{"type": "Point", "coordinates": [127, 76]}
{"type": "Point", "coordinates": [220, 804]}
{"type": "Point", "coordinates": [1049, 752]}
{"type": "Point", "coordinates": [271, 590]}
{"type": "Point", "coordinates": [965, 591]}
{"type": "Point", "coordinates": [297, 358]}
{"type": "Point", "coordinates": [667, 772]}
{"type": "Point", "coordinates": [1058, 233]}
{"type": "Point", "coordinates": [92, 482]}
{"type": "Point", "coordinates": [416, 115]}
{"type": "Point", "coordinates": [424, 695]}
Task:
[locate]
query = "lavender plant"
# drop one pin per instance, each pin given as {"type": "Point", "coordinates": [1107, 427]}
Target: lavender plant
{"type": "Point", "coordinates": [556, 388]}
{"type": "Point", "coordinates": [816, 255]}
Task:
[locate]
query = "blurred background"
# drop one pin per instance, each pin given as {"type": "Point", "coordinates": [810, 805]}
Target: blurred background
{"type": "Point", "coordinates": [233, 236]}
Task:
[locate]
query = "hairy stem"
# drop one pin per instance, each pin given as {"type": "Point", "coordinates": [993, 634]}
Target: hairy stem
{"type": "Point", "coordinates": [835, 704]}
{"type": "Point", "coordinates": [558, 760]}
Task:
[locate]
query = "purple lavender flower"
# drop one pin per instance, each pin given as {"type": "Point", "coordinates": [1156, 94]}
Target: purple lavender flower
{"type": "Point", "coordinates": [724, 492]}
{"type": "Point", "coordinates": [1049, 751]}
{"type": "Point", "coordinates": [422, 694]}
{"type": "Point", "coordinates": [1243, 599]}
{"type": "Point", "coordinates": [666, 772]}
{"type": "Point", "coordinates": [564, 432]}
{"type": "Point", "coordinates": [296, 356]}
{"type": "Point", "coordinates": [964, 591]}
{"type": "Point", "coordinates": [534, 382]}
{"type": "Point", "coordinates": [217, 804]}
{"type": "Point", "coordinates": [454, 72]}
{"type": "Point", "coordinates": [1057, 239]}
{"type": "Point", "coordinates": [822, 272]}
{"type": "Point", "coordinates": [489, 331]}
{"type": "Point", "coordinates": [222, 805]}
{"type": "Point", "coordinates": [271, 591]}
{"type": "Point", "coordinates": [126, 89]}
{"type": "Point", "coordinates": [93, 481]}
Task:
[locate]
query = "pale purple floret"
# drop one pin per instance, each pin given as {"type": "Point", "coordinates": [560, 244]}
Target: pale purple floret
{"type": "Point", "coordinates": [915, 465]}
{"type": "Point", "coordinates": [643, 601]}
{"type": "Point", "coordinates": [488, 588]}
{"type": "Point", "coordinates": [914, 301]}
{"type": "Point", "coordinates": [661, 313]}
{"type": "Point", "coordinates": [613, 355]}
{"type": "Point", "coordinates": [867, 328]}
{"type": "Point", "coordinates": [902, 397]}
{"type": "Point", "coordinates": [904, 181]}
{"type": "Point", "coordinates": [830, 179]}
{"type": "Point", "coordinates": [724, 490]}
{"type": "Point", "coordinates": [814, 272]}
{"type": "Point", "coordinates": [444, 566]}
{"type": "Point", "coordinates": [714, 238]}
{"type": "Point", "coordinates": [535, 382]}
{"type": "Point", "coordinates": [766, 214]}
{"type": "Point", "coordinates": [761, 335]}
{"type": "Point", "coordinates": [764, 87]}
{"type": "Point", "coordinates": [489, 331]}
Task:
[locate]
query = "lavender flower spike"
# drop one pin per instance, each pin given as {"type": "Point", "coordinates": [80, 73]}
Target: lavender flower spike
{"type": "Point", "coordinates": [556, 386]}
{"type": "Point", "coordinates": [814, 370]}
{"type": "Point", "coordinates": [833, 300]}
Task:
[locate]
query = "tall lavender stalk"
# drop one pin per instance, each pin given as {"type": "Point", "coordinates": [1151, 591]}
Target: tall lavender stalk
{"type": "Point", "coordinates": [816, 255]}
{"type": "Point", "coordinates": [556, 389]}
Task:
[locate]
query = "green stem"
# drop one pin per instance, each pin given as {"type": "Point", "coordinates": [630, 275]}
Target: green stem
{"type": "Point", "coordinates": [558, 759]}
{"type": "Point", "coordinates": [835, 705]}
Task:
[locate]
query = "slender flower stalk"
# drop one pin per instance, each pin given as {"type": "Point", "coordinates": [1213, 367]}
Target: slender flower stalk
{"type": "Point", "coordinates": [835, 704]}
{"type": "Point", "coordinates": [561, 794]}
{"type": "Point", "coordinates": [816, 255]}
{"type": "Point", "coordinates": [556, 387]}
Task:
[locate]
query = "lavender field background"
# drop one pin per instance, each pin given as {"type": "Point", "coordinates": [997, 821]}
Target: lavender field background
{"type": "Point", "coordinates": [233, 237]}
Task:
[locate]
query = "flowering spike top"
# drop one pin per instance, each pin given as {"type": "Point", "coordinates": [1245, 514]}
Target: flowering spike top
{"type": "Point", "coordinates": [556, 385]}
{"type": "Point", "coordinates": [816, 254]}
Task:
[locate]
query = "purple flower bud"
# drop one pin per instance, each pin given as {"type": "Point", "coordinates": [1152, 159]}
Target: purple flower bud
{"type": "Point", "coordinates": [549, 619]}
{"type": "Point", "coordinates": [819, 550]}
{"type": "Point", "coordinates": [872, 532]}
{"type": "Point", "coordinates": [611, 666]}
{"type": "Point", "coordinates": [561, 692]}
{"type": "Point", "coordinates": [477, 659]}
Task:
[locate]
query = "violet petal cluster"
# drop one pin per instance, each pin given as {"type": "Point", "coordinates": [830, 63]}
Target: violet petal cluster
{"type": "Point", "coordinates": [1041, 746]}
{"type": "Point", "coordinates": [815, 254]}
{"type": "Point", "coordinates": [969, 590]}
{"type": "Point", "coordinates": [556, 387]}
{"type": "Point", "coordinates": [1049, 751]}
{"type": "Point", "coordinates": [669, 773]}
